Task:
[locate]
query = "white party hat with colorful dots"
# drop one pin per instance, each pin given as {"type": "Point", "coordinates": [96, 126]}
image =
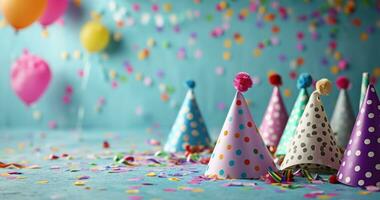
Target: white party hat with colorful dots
{"type": "Point", "coordinates": [240, 152]}
{"type": "Point", "coordinates": [343, 118]}
{"type": "Point", "coordinates": [189, 129]}
{"type": "Point", "coordinates": [275, 117]}
{"type": "Point", "coordinates": [361, 161]}
{"type": "Point", "coordinates": [313, 147]}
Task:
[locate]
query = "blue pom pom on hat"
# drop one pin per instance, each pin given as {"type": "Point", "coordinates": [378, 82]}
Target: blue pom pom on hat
{"type": "Point", "coordinates": [304, 80]}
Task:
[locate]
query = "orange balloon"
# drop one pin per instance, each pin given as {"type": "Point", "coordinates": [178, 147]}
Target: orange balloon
{"type": "Point", "coordinates": [22, 13]}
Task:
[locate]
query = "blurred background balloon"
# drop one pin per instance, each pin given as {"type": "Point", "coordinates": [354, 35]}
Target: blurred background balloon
{"type": "Point", "coordinates": [30, 77]}
{"type": "Point", "coordinates": [22, 13]}
{"type": "Point", "coordinates": [54, 10]}
{"type": "Point", "coordinates": [94, 36]}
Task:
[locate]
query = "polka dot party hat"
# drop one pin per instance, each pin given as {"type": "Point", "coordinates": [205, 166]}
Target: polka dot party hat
{"type": "Point", "coordinates": [364, 86]}
{"type": "Point", "coordinates": [276, 116]}
{"type": "Point", "coordinates": [343, 118]}
{"type": "Point", "coordinates": [313, 147]}
{"type": "Point", "coordinates": [240, 152]}
{"type": "Point", "coordinates": [361, 161]}
{"type": "Point", "coordinates": [304, 81]}
{"type": "Point", "coordinates": [189, 129]}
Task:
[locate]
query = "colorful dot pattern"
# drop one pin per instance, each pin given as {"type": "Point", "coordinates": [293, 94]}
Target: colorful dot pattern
{"type": "Point", "coordinates": [314, 146]}
{"type": "Point", "coordinates": [343, 119]}
{"type": "Point", "coordinates": [189, 127]}
{"type": "Point", "coordinates": [291, 125]}
{"type": "Point", "coordinates": [240, 152]}
{"type": "Point", "coordinates": [274, 121]}
{"type": "Point", "coordinates": [361, 162]}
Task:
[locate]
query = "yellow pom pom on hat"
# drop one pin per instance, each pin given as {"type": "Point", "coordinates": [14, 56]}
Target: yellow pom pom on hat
{"type": "Point", "coordinates": [323, 86]}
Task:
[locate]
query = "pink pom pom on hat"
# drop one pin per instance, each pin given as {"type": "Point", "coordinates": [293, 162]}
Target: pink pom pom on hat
{"type": "Point", "coordinates": [242, 82]}
{"type": "Point", "coordinates": [343, 83]}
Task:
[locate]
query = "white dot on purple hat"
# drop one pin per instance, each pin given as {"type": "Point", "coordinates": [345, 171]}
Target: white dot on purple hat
{"type": "Point", "coordinates": [343, 163]}
{"type": "Point", "coordinates": [371, 115]}
{"type": "Point", "coordinates": [358, 123]}
{"type": "Point", "coordinates": [371, 129]}
{"type": "Point", "coordinates": [372, 89]}
{"type": "Point", "coordinates": [357, 168]}
{"type": "Point", "coordinates": [348, 179]}
{"type": "Point", "coordinates": [368, 174]}
{"type": "Point", "coordinates": [340, 176]}
{"type": "Point", "coordinates": [378, 107]}
{"type": "Point", "coordinates": [358, 133]}
{"type": "Point", "coordinates": [350, 142]}
{"type": "Point", "coordinates": [367, 141]}
{"type": "Point", "coordinates": [377, 166]}
{"type": "Point", "coordinates": [378, 140]}
{"type": "Point", "coordinates": [348, 152]}
{"type": "Point", "coordinates": [362, 110]}
{"type": "Point", "coordinates": [371, 154]}
{"type": "Point", "coordinates": [358, 152]}
{"type": "Point", "coordinates": [378, 184]}
{"type": "Point", "coordinates": [369, 101]}
{"type": "Point", "coordinates": [361, 182]}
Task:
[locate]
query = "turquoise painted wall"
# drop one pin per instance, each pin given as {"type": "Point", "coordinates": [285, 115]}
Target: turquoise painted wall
{"type": "Point", "coordinates": [133, 104]}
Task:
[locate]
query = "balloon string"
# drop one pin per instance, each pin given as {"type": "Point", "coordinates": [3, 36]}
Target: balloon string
{"type": "Point", "coordinates": [12, 57]}
{"type": "Point", "coordinates": [103, 69]}
{"type": "Point", "coordinates": [81, 110]}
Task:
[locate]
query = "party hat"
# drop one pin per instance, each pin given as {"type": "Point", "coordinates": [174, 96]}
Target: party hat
{"type": "Point", "coordinates": [189, 128]}
{"type": "Point", "coordinates": [275, 117]}
{"type": "Point", "coordinates": [364, 86]}
{"type": "Point", "coordinates": [343, 118]}
{"type": "Point", "coordinates": [240, 151]}
{"type": "Point", "coordinates": [313, 147]}
{"type": "Point", "coordinates": [303, 82]}
{"type": "Point", "coordinates": [361, 161]}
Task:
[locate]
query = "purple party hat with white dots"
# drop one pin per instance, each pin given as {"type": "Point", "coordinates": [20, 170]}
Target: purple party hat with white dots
{"type": "Point", "coordinates": [240, 152]}
{"type": "Point", "coordinates": [361, 162]}
{"type": "Point", "coordinates": [314, 147]}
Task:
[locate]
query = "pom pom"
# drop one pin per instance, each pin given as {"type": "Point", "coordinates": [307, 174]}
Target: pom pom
{"type": "Point", "coordinates": [190, 84]}
{"type": "Point", "coordinates": [323, 86]}
{"type": "Point", "coordinates": [342, 82]}
{"type": "Point", "coordinates": [304, 81]}
{"type": "Point", "coordinates": [333, 179]}
{"type": "Point", "coordinates": [242, 82]}
{"type": "Point", "coordinates": [275, 79]}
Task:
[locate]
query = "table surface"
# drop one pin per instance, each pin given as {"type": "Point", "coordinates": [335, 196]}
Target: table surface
{"type": "Point", "coordinates": [91, 173]}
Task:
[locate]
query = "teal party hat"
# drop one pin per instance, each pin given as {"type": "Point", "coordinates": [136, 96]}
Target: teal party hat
{"type": "Point", "coordinates": [189, 129]}
{"type": "Point", "coordinates": [303, 82]}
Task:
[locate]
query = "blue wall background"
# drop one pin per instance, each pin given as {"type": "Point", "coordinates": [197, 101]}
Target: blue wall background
{"type": "Point", "coordinates": [133, 104]}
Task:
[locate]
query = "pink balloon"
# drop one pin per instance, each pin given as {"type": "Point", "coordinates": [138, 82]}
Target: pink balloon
{"type": "Point", "coordinates": [30, 77]}
{"type": "Point", "coordinates": [54, 9]}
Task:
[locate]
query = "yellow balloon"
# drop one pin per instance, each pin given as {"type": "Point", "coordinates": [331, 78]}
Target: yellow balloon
{"type": "Point", "coordinates": [22, 13]}
{"type": "Point", "coordinates": [94, 36]}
